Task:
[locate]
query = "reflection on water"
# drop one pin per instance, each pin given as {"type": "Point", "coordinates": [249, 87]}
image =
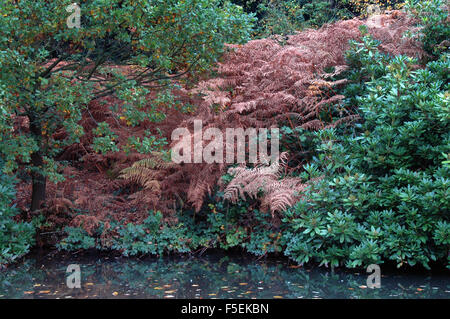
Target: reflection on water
{"type": "Point", "coordinates": [210, 276]}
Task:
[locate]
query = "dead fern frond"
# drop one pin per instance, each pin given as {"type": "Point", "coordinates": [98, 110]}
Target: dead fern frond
{"type": "Point", "coordinates": [264, 182]}
{"type": "Point", "coordinates": [148, 173]}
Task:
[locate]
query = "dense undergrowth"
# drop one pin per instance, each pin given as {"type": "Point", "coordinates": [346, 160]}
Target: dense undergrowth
{"type": "Point", "coordinates": [374, 166]}
{"type": "Point", "coordinates": [380, 192]}
{"type": "Point", "coordinates": [281, 17]}
{"type": "Point", "coordinates": [16, 238]}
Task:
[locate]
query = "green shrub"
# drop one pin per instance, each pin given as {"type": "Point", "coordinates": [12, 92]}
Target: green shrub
{"type": "Point", "coordinates": [77, 238]}
{"type": "Point", "coordinates": [286, 17]}
{"type": "Point", "coordinates": [434, 23]}
{"type": "Point", "coordinates": [363, 7]}
{"type": "Point", "coordinates": [216, 227]}
{"type": "Point", "coordinates": [383, 193]}
{"type": "Point", "coordinates": [16, 238]}
{"type": "Point", "coordinates": [150, 237]}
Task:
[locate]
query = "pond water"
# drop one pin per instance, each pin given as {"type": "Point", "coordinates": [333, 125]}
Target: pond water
{"type": "Point", "coordinates": [213, 275]}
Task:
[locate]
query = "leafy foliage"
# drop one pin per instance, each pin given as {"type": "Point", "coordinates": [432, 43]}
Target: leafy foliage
{"type": "Point", "coordinates": [287, 17]}
{"type": "Point", "coordinates": [16, 238]}
{"type": "Point", "coordinates": [277, 17]}
{"type": "Point", "coordinates": [148, 173]}
{"type": "Point", "coordinates": [216, 227]}
{"type": "Point", "coordinates": [384, 192]}
{"type": "Point", "coordinates": [366, 7]}
{"type": "Point", "coordinates": [277, 194]}
{"type": "Point", "coordinates": [434, 23]}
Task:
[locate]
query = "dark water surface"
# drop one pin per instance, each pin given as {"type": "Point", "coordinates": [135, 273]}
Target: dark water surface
{"type": "Point", "coordinates": [213, 275]}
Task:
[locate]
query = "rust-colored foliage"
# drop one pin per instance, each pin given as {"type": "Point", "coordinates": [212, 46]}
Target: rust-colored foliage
{"type": "Point", "coordinates": [277, 194]}
{"type": "Point", "coordinates": [260, 84]}
{"type": "Point", "coordinates": [266, 84]}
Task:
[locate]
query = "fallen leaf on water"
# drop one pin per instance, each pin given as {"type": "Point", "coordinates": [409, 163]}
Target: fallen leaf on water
{"type": "Point", "coordinates": [158, 288]}
{"type": "Point", "coordinates": [115, 293]}
{"type": "Point", "coordinates": [212, 294]}
{"type": "Point", "coordinates": [44, 291]}
{"type": "Point", "coordinates": [278, 297]}
{"type": "Point", "coordinates": [28, 292]}
{"type": "Point", "coordinates": [243, 283]}
{"type": "Point", "coordinates": [419, 289]}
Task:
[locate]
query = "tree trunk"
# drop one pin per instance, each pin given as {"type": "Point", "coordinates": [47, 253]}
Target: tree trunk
{"type": "Point", "coordinates": [39, 182]}
{"type": "Point", "coordinates": [37, 161]}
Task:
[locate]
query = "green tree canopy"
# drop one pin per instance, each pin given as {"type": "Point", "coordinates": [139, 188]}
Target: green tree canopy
{"type": "Point", "coordinates": [49, 71]}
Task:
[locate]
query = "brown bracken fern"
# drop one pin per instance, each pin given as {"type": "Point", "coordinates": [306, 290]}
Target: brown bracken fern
{"type": "Point", "coordinates": [261, 84]}
{"type": "Point", "coordinates": [265, 183]}
{"type": "Point", "coordinates": [148, 173]}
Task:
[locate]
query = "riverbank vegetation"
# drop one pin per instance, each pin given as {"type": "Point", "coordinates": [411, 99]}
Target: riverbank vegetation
{"type": "Point", "coordinates": [361, 101]}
